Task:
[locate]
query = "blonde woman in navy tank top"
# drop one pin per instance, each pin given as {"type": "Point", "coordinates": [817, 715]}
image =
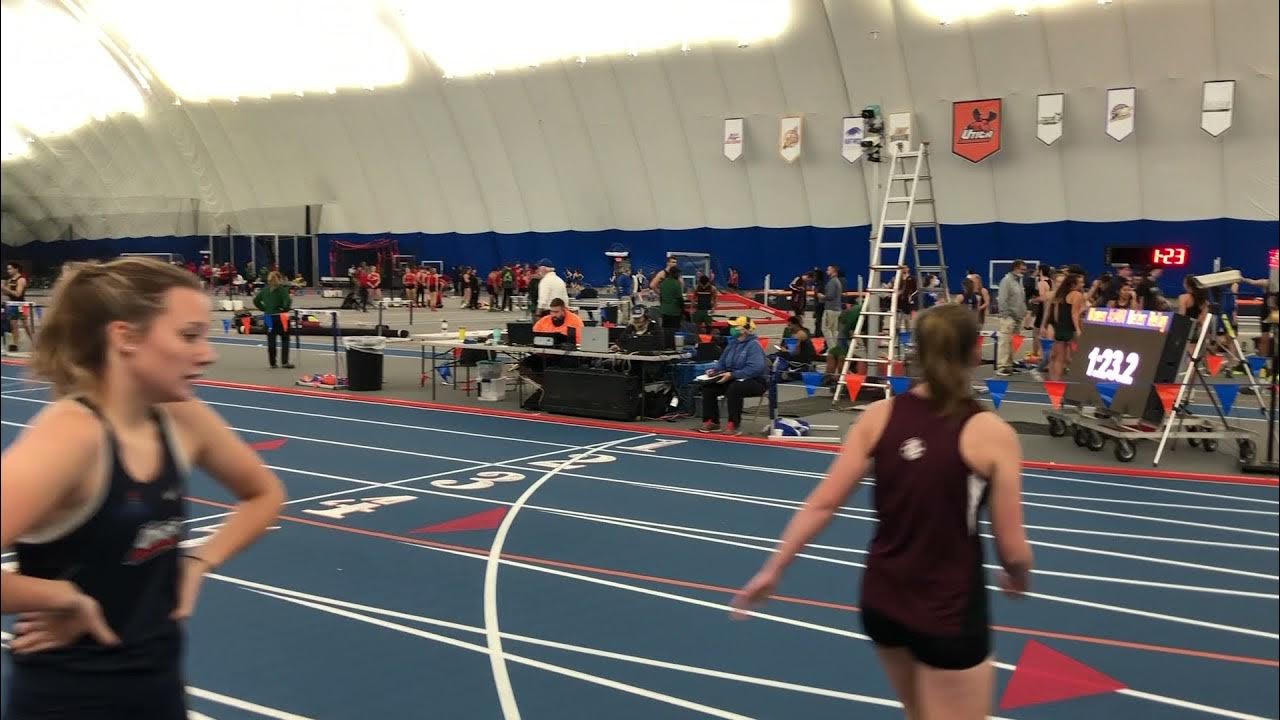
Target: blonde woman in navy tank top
{"type": "Point", "coordinates": [92, 497]}
{"type": "Point", "coordinates": [939, 460]}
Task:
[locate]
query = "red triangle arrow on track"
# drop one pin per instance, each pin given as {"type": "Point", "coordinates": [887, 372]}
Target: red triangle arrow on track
{"type": "Point", "coordinates": [487, 520]}
{"type": "Point", "coordinates": [269, 444]}
{"type": "Point", "coordinates": [1044, 675]}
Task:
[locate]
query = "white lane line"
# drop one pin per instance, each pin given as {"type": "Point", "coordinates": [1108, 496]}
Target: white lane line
{"type": "Point", "coordinates": [474, 647]}
{"type": "Point", "coordinates": [739, 466]}
{"type": "Point", "coordinates": [245, 705]}
{"type": "Point", "coordinates": [1149, 518]}
{"type": "Point", "coordinates": [493, 633]}
{"type": "Point", "coordinates": [1151, 488]}
{"type": "Point", "coordinates": [1149, 503]}
{"type": "Point", "coordinates": [283, 594]}
{"type": "Point", "coordinates": [795, 623]}
{"type": "Point", "coordinates": [790, 504]}
{"type": "Point", "coordinates": [700, 533]}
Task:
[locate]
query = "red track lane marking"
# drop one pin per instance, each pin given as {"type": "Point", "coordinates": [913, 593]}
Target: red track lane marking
{"type": "Point", "coordinates": [1168, 650]}
{"type": "Point", "coordinates": [671, 432]}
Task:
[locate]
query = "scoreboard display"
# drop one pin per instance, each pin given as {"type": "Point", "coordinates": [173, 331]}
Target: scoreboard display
{"type": "Point", "coordinates": [1161, 256]}
{"type": "Point", "coordinates": [1135, 349]}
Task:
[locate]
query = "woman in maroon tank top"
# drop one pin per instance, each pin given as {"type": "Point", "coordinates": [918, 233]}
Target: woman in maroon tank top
{"type": "Point", "coordinates": [938, 460]}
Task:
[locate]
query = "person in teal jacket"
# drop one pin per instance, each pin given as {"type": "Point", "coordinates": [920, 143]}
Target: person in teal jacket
{"type": "Point", "coordinates": [274, 301]}
{"type": "Point", "coordinates": [741, 372]}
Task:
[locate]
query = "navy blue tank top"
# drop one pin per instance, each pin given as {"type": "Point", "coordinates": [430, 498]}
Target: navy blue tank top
{"type": "Point", "coordinates": [924, 566]}
{"type": "Point", "coordinates": [125, 556]}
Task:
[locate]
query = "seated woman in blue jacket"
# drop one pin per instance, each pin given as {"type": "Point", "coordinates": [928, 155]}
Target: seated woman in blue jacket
{"type": "Point", "coordinates": [739, 373]}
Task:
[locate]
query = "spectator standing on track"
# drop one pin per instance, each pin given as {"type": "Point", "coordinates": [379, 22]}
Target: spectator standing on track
{"type": "Point", "coordinates": [832, 302]}
{"type": "Point", "coordinates": [550, 287]}
{"type": "Point", "coordinates": [92, 497]}
{"type": "Point", "coordinates": [274, 302]}
{"type": "Point", "coordinates": [15, 291]}
{"type": "Point", "coordinates": [1013, 310]}
{"type": "Point", "coordinates": [1064, 316]}
{"type": "Point", "coordinates": [938, 455]}
{"type": "Point", "coordinates": [670, 299]}
{"type": "Point", "coordinates": [671, 269]}
{"type": "Point", "coordinates": [705, 296]}
{"type": "Point", "coordinates": [508, 280]}
{"type": "Point", "coordinates": [799, 294]}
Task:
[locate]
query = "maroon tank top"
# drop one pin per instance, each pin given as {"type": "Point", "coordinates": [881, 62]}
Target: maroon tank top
{"type": "Point", "coordinates": [924, 566]}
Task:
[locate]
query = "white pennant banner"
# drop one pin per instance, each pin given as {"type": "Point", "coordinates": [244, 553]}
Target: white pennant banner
{"type": "Point", "coordinates": [733, 138]}
{"type": "Point", "coordinates": [1120, 112]}
{"type": "Point", "coordinates": [1215, 109]}
{"type": "Point", "coordinates": [899, 129]}
{"type": "Point", "coordinates": [790, 138]}
{"type": "Point", "coordinates": [1049, 118]}
{"type": "Point", "coordinates": [855, 131]}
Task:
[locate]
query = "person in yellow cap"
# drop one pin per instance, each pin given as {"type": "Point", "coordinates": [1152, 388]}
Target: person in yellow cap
{"type": "Point", "coordinates": [739, 373]}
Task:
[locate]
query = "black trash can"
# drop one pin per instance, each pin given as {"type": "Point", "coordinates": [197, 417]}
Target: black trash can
{"type": "Point", "coordinates": [364, 363]}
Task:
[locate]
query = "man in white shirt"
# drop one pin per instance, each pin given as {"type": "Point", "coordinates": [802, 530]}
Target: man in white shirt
{"type": "Point", "coordinates": [550, 287]}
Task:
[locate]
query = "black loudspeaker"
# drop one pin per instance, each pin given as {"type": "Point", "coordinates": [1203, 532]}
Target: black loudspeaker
{"type": "Point", "coordinates": [591, 393]}
{"type": "Point", "coordinates": [1181, 331]}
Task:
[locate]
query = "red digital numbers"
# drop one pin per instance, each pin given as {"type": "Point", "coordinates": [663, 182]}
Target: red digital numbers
{"type": "Point", "coordinates": [1169, 256]}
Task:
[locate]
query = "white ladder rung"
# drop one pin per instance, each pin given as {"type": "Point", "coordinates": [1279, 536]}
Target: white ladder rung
{"type": "Point", "coordinates": [877, 312]}
{"type": "Point", "coordinates": [909, 177]}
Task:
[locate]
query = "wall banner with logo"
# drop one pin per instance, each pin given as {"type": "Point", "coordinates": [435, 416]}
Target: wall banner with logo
{"type": "Point", "coordinates": [1215, 109]}
{"type": "Point", "coordinates": [733, 138]}
{"type": "Point", "coordinates": [790, 138]}
{"type": "Point", "coordinates": [975, 128]}
{"type": "Point", "coordinates": [1121, 108]}
{"type": "Point", "coordinates": [899, 129]}
{"type": "Point", "coordinates": [1049, 118]}
{"type": "Point", "coordinates": [855, 131]}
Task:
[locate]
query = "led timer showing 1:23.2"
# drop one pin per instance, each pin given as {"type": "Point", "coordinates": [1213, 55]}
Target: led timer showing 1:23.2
{"type": "Point", "coordinates": [1169, 256]}
{"type": "Point", "coordinates": [1112, 365]}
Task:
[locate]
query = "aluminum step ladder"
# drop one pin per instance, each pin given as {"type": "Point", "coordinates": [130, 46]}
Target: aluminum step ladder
{"type": "Point", "coordinates": [907, 217]}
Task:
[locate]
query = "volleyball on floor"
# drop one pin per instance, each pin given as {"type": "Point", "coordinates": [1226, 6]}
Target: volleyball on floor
{"type": "Point", "coordinates": [789, 427]}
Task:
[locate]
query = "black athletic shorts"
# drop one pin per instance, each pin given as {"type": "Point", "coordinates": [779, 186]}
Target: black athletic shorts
{"type": "Point", "coordinates": [959, 652]}
{"type": "Point", "coordinates": [48, 694]}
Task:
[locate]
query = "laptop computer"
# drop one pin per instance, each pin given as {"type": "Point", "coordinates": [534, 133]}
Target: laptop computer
{"type": "Point", "coordinates": [642, 343]}
{"type": "Point", "coordinates": [519, 333]}
{"type": "Point", "coordinates": [555, 339]}
{"type": "Point", "coordinates": [594, 339]}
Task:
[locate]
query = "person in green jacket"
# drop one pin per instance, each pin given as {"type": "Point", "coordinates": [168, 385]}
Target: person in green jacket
{"type": "Point", "coordinates": [274, 302]}
{"type": "Point", "coordinates": [671, 301]}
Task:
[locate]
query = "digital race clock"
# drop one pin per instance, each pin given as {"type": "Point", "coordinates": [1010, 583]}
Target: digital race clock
{"type": "Point", "coordinates": [1135, 349]}
{"type": "Point", "coordinates": [1148, 256]}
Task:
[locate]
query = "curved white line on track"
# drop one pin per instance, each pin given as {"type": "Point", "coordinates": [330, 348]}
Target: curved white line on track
{"type": "Point", "coordinates": [493, 633]}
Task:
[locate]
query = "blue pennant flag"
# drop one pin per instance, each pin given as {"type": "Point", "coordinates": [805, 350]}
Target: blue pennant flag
{"type": "Point", "coordinates": [226, 326]}
{"type": "Point", "coordinates": [444, 373]}
{"type": "Point", "coordinates": [266, 320]}
{"type": "Point", "coordinates": [904, 337]}
{"type": "Point", "coordinates": [1107, 391]}
{"type": "Point", "coordinates": [811, 381]}
{"type": "Point", "coordinates": [998, 388]}
{"type": "Point", "coordinates": [899, 384]}
{"type": "Point", "coordinates": [1046, 344]}
{"type": "Point", "coordinates": [1256, 363]}
{"type": "Point", "coordinates": [39, 311]}
{"type": "Point", "coordinates": [1227, 394]}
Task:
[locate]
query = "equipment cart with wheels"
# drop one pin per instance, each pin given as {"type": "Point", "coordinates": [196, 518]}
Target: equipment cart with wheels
{"type": "Point", "coordinates": [1132, 356]}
